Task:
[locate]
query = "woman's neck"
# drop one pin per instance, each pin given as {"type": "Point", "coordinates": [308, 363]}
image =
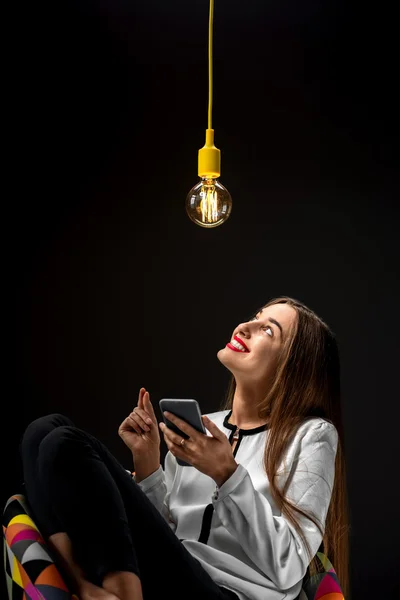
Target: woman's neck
{"type": "Point", "coordinates": [244, 409]}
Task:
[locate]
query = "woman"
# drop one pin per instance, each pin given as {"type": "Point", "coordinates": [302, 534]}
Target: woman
{"type": "Point", "coordinates": [266, 488]}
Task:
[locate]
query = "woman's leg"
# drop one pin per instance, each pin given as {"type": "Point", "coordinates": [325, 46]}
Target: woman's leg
{"type": "Point", "coordinates": [37, 495]}
{"type": "Point", "coordinates": [117, 586]}
{"type": "Point", "coordinates": [57, 477]}
{"type": "Point", "coordinates": [46, 518]}
{"type": "Point", "coordinates": [112, 524]}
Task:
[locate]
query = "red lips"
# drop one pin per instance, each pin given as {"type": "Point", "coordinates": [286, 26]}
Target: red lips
{"type": "Point", "coordinates": [240, 342]}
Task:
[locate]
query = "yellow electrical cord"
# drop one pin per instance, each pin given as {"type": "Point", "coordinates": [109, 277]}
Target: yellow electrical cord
{"type": "Point", "coordinates": [209, 164]}
{"type": "Point", "coordinates": [210, 63]}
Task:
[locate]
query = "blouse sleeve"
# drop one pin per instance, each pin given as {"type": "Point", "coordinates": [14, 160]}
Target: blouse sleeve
{"type": "Point", "coordinates": [157, 487]}
{"type": "Point", "coordinates": [270, 540]}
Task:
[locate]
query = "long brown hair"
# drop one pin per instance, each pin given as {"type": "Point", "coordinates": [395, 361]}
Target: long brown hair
{"type": "Point", "coordinates": [307, 384]}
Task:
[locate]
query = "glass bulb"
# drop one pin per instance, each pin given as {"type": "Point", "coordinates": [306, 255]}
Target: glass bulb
{"type": "Point", "coordinates": [208, 203]}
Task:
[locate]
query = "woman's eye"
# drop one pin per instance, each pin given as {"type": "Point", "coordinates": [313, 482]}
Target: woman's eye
{"type": "Point", "coordinates": [267, 329]}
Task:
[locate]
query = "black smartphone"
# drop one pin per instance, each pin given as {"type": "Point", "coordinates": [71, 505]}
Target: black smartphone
{"type": "Point", "coordinates": [189, 411]}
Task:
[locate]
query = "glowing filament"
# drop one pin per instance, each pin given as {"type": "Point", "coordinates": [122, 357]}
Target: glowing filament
{"type": "Point", "coordinates": [209, 204]}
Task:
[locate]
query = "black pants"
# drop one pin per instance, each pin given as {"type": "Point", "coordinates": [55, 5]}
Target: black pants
{"type": "Point", "coordinates": [75, 485]}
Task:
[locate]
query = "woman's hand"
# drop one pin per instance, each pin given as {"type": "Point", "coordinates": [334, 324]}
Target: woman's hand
{"type": "Point", "coordinates": [210, 455]}
{"type": "Point", "coordinates": [139, 430]}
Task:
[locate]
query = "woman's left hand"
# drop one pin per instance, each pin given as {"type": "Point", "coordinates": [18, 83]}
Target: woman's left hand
{"type": "Point", "coordinates": [210, 455]}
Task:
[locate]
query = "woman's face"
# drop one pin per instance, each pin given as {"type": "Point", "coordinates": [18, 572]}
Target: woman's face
{"type": "Point", "coordinates": [253, 351]}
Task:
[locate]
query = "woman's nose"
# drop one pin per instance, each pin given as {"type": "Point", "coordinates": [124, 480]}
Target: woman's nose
{"type": "Point", "coordinates": [244, 330]}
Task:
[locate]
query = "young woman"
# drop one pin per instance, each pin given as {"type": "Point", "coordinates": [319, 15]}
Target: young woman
{"type": "Point", "coordinates": [266, 486]}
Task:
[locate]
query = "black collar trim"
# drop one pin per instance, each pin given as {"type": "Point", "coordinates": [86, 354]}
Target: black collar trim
{"type": "Point", "coordinates": [243, 431]}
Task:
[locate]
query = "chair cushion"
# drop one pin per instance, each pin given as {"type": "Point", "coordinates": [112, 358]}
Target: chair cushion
{"type": "Point", "coordinates": [322, 586]}
{"type": "Point", "coordinates": [29, 568]}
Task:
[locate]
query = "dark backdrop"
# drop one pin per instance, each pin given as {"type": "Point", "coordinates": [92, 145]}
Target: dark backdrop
{"type": "Point", "coordinates": [111, 287]}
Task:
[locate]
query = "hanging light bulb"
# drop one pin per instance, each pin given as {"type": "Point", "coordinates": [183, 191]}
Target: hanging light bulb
{"type": "Point", "coordinates": [209, 203]}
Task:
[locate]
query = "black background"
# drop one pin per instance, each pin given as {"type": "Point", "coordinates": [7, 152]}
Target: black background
{"type": "Point", "coordinates": [109, 286]}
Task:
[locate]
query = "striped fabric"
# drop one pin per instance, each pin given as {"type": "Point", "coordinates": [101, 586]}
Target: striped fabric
{"type": "Point", "coordinates": [29, 569]}
{"type": "Point", "coordinates": [322, 586]}
{"type": "Point", "coordinates": [32, 575]}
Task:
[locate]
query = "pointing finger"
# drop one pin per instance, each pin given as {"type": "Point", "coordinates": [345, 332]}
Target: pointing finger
{"type": "Point", "coordinates": [142, 392]}
{"type": "Point", "coordinates": [148, 407]}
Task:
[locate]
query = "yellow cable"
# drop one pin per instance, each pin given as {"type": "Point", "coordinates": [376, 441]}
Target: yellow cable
{"type": "Point", "coordinates": [210, 64]}
{"type": "Point", "coordinates": [209, 164]}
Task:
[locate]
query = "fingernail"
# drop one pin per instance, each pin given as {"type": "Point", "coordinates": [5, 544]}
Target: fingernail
{"type": "Point", "coordinates": [149, 421]}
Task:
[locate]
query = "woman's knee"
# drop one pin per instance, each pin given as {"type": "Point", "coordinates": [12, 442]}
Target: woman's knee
{"type": "Point", "coordinates": [61, 448]}
{"type": "Point", "coordinates": [39, 429]}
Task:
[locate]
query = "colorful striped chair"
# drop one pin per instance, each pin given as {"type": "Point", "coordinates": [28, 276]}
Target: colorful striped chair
{"type": "Point", "coordinates": [29, 567]}
{"type": "Point", "coordinates": [32, 575]}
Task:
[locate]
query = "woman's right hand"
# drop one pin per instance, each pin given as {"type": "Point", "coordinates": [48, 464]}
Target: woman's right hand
{"type": "Point", "coordinates": [139, 431]}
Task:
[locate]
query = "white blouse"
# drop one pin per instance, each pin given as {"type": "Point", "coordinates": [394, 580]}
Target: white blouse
{"type": "Point", "coordinates": [236, 531]}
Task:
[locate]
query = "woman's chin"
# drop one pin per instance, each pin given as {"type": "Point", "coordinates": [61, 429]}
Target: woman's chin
{"type": "Point", "coordinates": [225, 356]}
{"type": "Point", "coordinates": [220, 354]}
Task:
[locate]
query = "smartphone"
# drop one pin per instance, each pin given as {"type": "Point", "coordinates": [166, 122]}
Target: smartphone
{"type": "Point", "coordinates": [189, 411]}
